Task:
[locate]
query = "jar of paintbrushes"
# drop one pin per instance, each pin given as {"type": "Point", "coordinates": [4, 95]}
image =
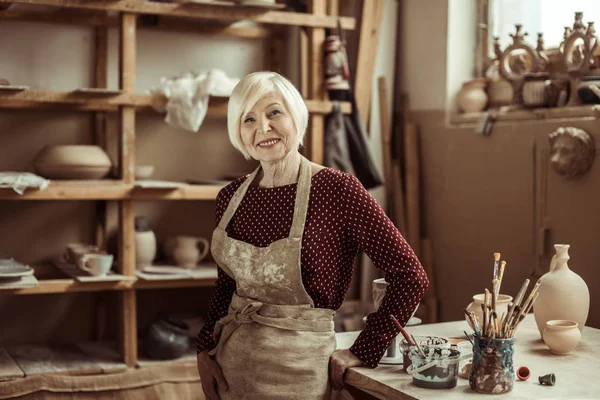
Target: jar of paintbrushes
{"type": "Point", "coordinates": [493, 346]}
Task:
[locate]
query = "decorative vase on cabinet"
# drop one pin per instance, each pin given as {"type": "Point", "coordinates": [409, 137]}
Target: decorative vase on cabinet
{"type": "Point", "coordinates": [563, 295]}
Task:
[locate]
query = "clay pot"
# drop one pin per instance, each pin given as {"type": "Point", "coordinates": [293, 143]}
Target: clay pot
{"type": "Point", "coordinates": [534, 90]}
{"type": "Point", "coordinates": [4, 82]}
{"type": "Point", "coordinates": [563, 295]}
{"type": "Point", "coordinates": [475, 305]}
{"type": "Point", "coordinates": [184, 251]}
{"type": "Point", "coordinates": [523, 373]}
{"type": "Point", "coordinates": [561, 336]}
{"type": "Point", "coordinates": [143, 171]}
{"type": "Point", "coordinates": [167, 338]}
{"type": "Point", "coordinates": [72, 162]}
{"type": "Point", "coordinates": [472, 97]}
{"type": "Point", "coordinates": [500, 93]}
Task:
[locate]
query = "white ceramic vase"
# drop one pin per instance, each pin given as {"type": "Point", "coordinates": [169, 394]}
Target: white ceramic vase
{"type": "Point", "coordinates": [561, 336]}
{"type": "Point", "coordinates": [472, 97]}
{"type": "Point", "coordinates": [145, 249]}
{"type": "Point", "coordinates": [501, 306]}
{"type": "Point", "coordinates": [563, 295]}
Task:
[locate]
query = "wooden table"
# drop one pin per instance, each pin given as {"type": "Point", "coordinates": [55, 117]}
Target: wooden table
{"type": "Point", "coordinates": [577, 374]}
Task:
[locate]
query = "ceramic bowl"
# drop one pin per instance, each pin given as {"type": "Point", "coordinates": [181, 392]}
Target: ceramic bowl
{"type": "Point", "coordinates": [144, 171]}
{"type": "Point", "coordinates": [72, 162]}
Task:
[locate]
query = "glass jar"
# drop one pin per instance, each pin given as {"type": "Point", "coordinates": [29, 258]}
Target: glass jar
{"type": "Point", "coordinates": [492, 370]}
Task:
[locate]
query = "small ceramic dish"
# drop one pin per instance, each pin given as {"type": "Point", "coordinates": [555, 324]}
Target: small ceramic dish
{"type": "Point", "coordinates": [144, 171]}
{"type": "Point", "coordinates": [9, 269]}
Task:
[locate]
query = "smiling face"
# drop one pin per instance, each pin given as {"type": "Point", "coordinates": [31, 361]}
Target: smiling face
{"type": "Point", "coordinates": [267, 130]}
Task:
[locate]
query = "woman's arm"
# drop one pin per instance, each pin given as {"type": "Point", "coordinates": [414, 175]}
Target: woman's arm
{"type": "Point", "coordinates": [219, 304]}
{"type": "Point", "coordinates": [368, 227]}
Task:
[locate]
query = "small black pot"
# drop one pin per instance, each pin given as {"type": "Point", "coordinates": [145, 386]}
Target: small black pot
{"type": "Point", "coordinates": [167, 338]}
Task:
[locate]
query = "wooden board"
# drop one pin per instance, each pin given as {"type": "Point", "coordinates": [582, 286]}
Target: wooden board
{"type": "Point", "coordinates": [245, 3]}
{"type": "Point", "coordinates": [66, 359]}
{"type": "Point", "coordinates": [96, 92]}
{"type": "Point", "coordinates": [8, 367]}
{"type": "Point", "coordinates": [201, 11]}
{"type": "Point", "coordinates": [189, 357]}
{"type": "Point", "coordinates": [105, 354]}
{"type": "Point", "coordinates": [82, 276]}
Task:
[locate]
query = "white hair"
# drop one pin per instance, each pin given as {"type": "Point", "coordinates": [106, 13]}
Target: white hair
{"type": "Point", "coordinates": [250, 90]}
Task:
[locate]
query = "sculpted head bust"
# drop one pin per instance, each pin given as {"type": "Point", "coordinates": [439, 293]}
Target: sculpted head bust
{"type": "Point", "coordinates": [572, 151]}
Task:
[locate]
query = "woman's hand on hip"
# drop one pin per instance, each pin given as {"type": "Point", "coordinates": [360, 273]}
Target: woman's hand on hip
{"type": "Point", "coordinates": [339, 361]}
{"type": "Point", "coordinates": [210, 373]}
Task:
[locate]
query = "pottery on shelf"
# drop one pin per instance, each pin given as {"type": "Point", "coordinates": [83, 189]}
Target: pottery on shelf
{"type": "Point", "coordinates": [501, 306]}
{"type": "Point", "coordinates": [472, 96]}
{"type": "Point", "coordinates": [143, 171]}
{"type": "Point", "coordinates": [184, 250]}
{"type": "Point", "coordinates": [4, 82]}
{"type": "Point", "coordinates": [72, 161]}
{"type": "Point", "coordinates": [167, 338]}
{"type": "Point", "coordinates": [534, 89]}
{"type": "Point", "coordinates": [561, 336]}
{"type": "Point", "coordinates": [500, 93]}
{"type": "Point", "coordinates": [563, 295]}
{"type": "Point", "coordinates": [145, 243]}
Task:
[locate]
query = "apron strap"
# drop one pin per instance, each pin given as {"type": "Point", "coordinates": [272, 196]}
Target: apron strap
{"type": "Point", "coordinates": [302, 196]}
{"type": "Point", "coordinates": [236, 200]}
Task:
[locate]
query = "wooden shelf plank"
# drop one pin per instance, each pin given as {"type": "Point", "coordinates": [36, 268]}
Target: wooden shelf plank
{"type": "Point", "coordinates": [188, 192]}
{"type": "Point", "coordinates": [65, 359]}
{"type": "Point", "coordinates": [8, 367]}
{"type": "Point", "coordinates": [188, 357]}
{"type": "Point", "coordinates": [524, 114]}
{"type": "Point", "coordinates": [85, 99]}
{"type": "Point", "coordinates": [72, 190]}
{"type": "Point", "coordinates": [111, 190]}
{"type": "Point", "coordinates": [221, 12]}
{"type": "Point", "coordinates": [49, 286]}
{"type": "Point", "coordinates": [162, 23]}
{"type": "Point", "coordinates": [105, 354]}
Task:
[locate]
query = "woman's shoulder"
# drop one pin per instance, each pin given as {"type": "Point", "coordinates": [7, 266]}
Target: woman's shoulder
{"type": "Point", "coordinates": [226, 193]}
{"type": "Point", "coordinates": [332, 176]}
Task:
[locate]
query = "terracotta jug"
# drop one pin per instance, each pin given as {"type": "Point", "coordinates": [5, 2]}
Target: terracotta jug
{"type": "Point", "coordinates": [184, 251]}
{"type": "Point", "coordinates": [563, 295]}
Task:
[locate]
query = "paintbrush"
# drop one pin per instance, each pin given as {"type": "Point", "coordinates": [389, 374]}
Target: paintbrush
{"type": "Point", "coordinates": [402, 331]}
{"type": "Point", "coordinates": [521, 293]}
{"type": "Point", "coordinates": [529, 299]}
{"type": "Point", "coordinates": [496, 261]}
{"type": "Point", "coordinates": [525, 313]}
{"type": "Point", "coordinates": [418, 347]}
{"type": "Point", "coordinates": [501, 274]}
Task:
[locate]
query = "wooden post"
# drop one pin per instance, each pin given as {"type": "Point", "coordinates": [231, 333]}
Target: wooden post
{"type": "Point", "coordinates": [126, 207]}
{"type": "Point", "coordinates": [372, 13]}
{"type": "Point", "coordinates": [431, 296]}
{"type": "Point", "coordinates": [411, 155]}
{"type": "Point", "coordinates": [316, 88]}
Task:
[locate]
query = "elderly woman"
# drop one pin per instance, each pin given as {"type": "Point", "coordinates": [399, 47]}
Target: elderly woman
{"type": "Point", "coordinates": [285, 243]}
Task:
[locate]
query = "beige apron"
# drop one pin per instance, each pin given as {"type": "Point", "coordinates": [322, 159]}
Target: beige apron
{"type": "Point", "coordinates": [273, 343]}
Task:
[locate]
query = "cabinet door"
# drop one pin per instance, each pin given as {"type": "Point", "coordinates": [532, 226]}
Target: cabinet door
{"type": "Point", "coordinates": [568, 212]}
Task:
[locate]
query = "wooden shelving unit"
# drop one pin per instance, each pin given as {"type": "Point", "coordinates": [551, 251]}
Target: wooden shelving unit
{"type": "Point", "coordinates": [195, 16]}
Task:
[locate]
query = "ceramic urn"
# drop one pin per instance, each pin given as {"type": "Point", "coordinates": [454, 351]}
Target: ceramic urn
{"type": "Point", "coordinates": [563, 295]}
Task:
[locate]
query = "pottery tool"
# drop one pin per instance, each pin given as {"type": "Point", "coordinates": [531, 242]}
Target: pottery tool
{"type": "Point", "coordinates": [402, 331]}
{"type": "Point", "coordinates": [418, 347]}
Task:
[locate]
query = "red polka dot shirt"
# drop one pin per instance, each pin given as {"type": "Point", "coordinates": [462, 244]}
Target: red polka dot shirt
{"type": "Point", "coordinates": [343, 219]}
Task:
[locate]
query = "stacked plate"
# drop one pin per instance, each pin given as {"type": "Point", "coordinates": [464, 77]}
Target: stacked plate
{"type": "Point", "coordinates": [11, 270]}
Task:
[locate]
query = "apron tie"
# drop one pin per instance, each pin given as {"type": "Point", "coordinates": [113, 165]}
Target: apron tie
{"type": "Point", "coordinates": [244, 315]}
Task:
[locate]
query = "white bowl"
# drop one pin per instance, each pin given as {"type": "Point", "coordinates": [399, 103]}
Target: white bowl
{"type": "Point", "coordinates": [143, 171]}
